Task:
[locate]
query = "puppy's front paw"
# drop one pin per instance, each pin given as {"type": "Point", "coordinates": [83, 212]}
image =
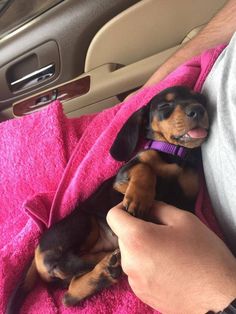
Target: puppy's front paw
{"type": "Point", "coordinates": [138, 201]}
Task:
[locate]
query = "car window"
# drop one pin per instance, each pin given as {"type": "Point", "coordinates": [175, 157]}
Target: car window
{"type": "Point", "coordinates": [15, 13]}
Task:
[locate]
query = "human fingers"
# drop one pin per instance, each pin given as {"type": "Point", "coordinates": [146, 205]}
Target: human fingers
{"type": "Point", "coordinates": [168, 215]}
{"type": "Point", "coordinates": [121, 222]}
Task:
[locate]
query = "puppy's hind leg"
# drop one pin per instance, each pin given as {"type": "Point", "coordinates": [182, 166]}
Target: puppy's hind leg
{"type": "Point", "coordinates": [104, 274]}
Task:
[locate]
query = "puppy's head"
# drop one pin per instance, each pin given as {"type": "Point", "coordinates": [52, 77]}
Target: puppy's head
{"type": "Point", "coordinates": [176, 115]}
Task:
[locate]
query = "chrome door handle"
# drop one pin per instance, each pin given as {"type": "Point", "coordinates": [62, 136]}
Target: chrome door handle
{"type": "Point", "coordinates": [34, 77]}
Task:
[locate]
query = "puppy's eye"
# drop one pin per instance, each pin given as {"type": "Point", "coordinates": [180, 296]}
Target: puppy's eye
{"type": "Point", "coordinates": [164, 106]}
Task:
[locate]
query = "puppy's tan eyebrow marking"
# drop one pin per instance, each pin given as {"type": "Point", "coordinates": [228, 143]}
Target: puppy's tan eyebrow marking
{"type": "Point", "coordinates": [170, 97]}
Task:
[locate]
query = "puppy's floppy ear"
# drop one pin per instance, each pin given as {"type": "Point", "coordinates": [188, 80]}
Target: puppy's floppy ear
{"type": "Point", "coordinates": [127, 138]}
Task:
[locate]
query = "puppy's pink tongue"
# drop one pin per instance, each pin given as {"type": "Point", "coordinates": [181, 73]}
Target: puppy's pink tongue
{"type": "Point", "coordinates": [198, 133]}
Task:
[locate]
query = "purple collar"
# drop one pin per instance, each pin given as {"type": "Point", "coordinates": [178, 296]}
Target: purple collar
{"type": "Point", "coordinates": [167, 148]}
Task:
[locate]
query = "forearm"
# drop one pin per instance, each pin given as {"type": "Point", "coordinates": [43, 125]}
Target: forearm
{"type": "Point", "coordinates": [218, 31]}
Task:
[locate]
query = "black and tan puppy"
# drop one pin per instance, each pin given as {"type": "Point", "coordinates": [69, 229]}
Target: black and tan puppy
{"type": "Point", "coordinates": [80, 251]}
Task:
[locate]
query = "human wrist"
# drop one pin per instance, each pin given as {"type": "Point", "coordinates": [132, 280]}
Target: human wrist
{"type": "Point", "coordinates": [223, 298]}
{"type": "Point", "coordinates": [217, 287]}
{"type": "Point", "coordinates": [230, 309]}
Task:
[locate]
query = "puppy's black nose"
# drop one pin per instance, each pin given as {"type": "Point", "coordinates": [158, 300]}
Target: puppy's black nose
{"type": "Point", "coordinates": [195, 111]}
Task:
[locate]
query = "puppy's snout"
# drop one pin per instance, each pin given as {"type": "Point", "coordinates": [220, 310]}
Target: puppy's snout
{"type": "Point", "coordinates": [195, 111]}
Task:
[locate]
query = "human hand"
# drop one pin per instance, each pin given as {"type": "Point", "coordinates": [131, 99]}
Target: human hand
{"type": "Point", "coordinates": [178, 266]}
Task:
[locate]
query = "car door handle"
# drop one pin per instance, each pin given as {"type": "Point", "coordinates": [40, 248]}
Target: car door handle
{"type": "Point", "coordinates": [33, 78]}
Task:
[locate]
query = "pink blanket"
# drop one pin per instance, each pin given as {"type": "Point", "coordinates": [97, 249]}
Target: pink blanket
{"type": "Point", "coordinates": [47, 163]}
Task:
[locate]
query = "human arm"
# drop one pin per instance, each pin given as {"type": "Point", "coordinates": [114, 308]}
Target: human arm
{"type": "Point", "coordinates": [179, 264]}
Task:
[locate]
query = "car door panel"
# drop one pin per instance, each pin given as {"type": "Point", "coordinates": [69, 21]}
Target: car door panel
{"type": "Point", "coordinates": [71, 25]}
{"type": "Point", "coordinates": [124, 52]}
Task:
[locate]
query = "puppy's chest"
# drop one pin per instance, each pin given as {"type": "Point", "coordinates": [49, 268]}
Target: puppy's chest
{"type": "Point", "coordinates": [177, 180]}
{"type": "Point", "coordinates": [179, 191]}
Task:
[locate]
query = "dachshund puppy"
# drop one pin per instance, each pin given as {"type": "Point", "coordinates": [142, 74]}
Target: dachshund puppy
{"type": "Point", "coordinates": [176, 123]}
{"type": "Point", "coordinates": [80, 251]}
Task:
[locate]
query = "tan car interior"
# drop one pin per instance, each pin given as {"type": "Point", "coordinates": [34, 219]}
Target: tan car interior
{"type": "Point", "coordinates": [120, 57]}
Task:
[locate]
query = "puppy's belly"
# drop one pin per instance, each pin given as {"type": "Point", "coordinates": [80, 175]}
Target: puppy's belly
{"type": "Point", "coordinates": [107, 240]}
